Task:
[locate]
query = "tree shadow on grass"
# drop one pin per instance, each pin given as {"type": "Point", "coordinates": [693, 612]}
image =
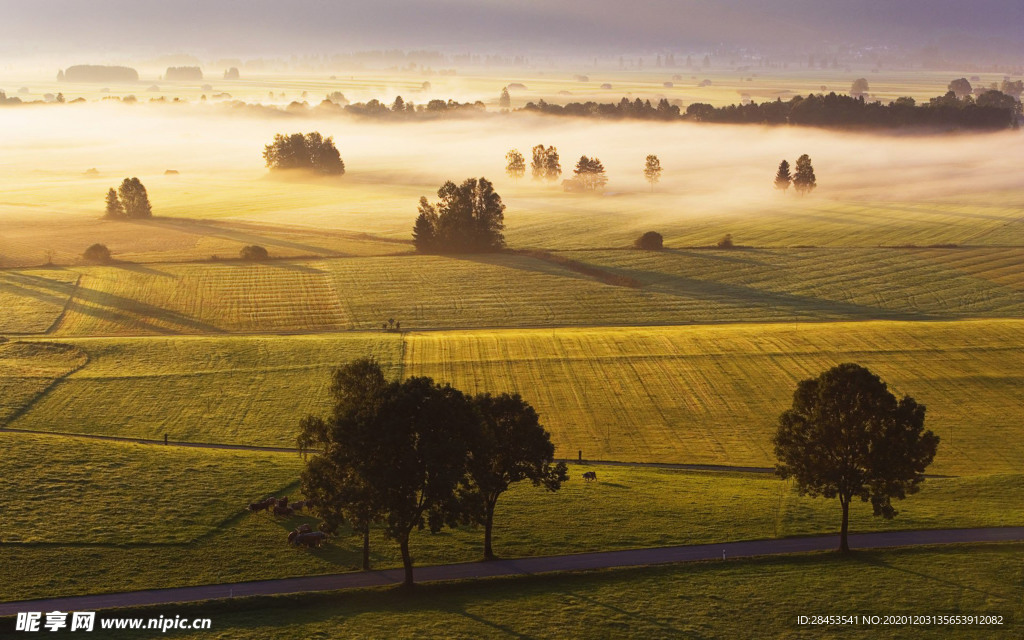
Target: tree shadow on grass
{"type": "Point", "coordinates": [874, 560]}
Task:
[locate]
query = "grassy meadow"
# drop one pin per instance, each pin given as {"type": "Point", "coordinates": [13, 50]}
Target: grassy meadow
{"type": "Point", "coordinates": [737, 599]}
{"type": "Point", "coordinates": [144, 516]}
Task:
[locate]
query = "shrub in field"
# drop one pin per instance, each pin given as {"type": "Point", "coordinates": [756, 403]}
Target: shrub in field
{"type": "Point", "coordinates": [254, 253]}
{"type": "Point", "coordinates": [726, 242]}
{"type": "Point", "coordinates": [652, 241]}
{"type": "Point", "coordinates": [97, 253]}
{"type": "Point", "coordinates": [309, 151]}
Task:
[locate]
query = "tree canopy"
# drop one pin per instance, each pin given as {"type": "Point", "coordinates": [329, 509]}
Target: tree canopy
{"type": "Point", "coordinates": [589, 174]}
{"type": "Point", "coordinates": [651, 241]}
{"type": "Point", "coordinates": [652, 170]}
{"type": "Point", "coordinates": [804, 180]}
{"type": "Point", "coordinates": [545, 164]}
{"type": "Point", "coordinates": [468, 218]}
{"type": "Point", "coordinates": [847, 436]}
{"type": "Point", "coordinates": [516, 167]}
{"type": "Point", "coordinates": [309, 151]}
{"type": "Point", "coordinates": [129, 201]}
{"type": "Point", "coordinates": [782, 177]}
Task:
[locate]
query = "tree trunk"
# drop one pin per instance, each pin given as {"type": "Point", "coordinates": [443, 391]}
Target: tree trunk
{"type": "Point", "coordinates": [406, 562]}
{"type": "Point", "coordinates": [366, 549]}
{"type": "Point", "coordinates": [844, 543]}
{"type": "Point", "coordinates": [488, 526]}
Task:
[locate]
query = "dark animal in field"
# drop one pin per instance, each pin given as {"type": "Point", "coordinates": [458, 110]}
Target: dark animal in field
{"type": "Point", "coordinates": [590, 475]}
{"type": "Point", "coordinates": [283, 510]}
{"type": "Point", "coordinates": [310, 540]}
{"type": "Point", "coordinates": [299, 505]}
{"type": "Point", "coordinates": [262, 505]}
{"type": "Point", "coordinates": [301, 529]}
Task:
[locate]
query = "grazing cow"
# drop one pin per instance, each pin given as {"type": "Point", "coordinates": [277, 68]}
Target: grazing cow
{"type": "Point", "coordinates": [590, 475]}
{"type": "Point", "coordinates": [283, 510]}
{"type": "Point", "coordinates": [262, 505]}
{"type": "Point", "coordinates": [301, 529]}
{"type": "Point", "coordinates": [298, 505]}
{"type": "Point", "coordinates": [310, 540]}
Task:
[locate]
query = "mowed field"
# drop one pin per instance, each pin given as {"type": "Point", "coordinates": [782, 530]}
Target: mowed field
{"type": "Point", "coordinates": [675, 286]}
{"type": "Point", "coordinates": [689, 394]}
{"type": "Point", "coordinates": [87, 516]}
{"type": "Point", "coordinates": [712, 394]}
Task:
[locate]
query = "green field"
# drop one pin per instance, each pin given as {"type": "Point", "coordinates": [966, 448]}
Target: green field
{"type": "Point", "coordinates": [88, 516]}
{"type": "Point", "coordinates": [698, 394]}
{"type": "Point", "coordinates": [735, 599]}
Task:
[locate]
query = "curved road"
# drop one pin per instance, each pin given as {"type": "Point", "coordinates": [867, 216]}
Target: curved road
{"type": "Point", "coordinates": [514, 567]}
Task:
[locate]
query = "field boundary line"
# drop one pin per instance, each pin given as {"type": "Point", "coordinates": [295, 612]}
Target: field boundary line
{"type": "Point", "coordinates": [67, 305]}
{"type": "Point", "coordinates": [522, 567]}
{"type": "Point", "coordinates": [25, 408]}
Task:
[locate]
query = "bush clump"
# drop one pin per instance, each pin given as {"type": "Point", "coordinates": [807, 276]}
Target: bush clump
{"type": "Point", "coordinates": [97, 253]}
{"type": "Point", "coordinates": [254, 253]}
{"type": "Point", "coordinates": [726, 242]}
{"type": "Point", "coordinates": [651, 241]}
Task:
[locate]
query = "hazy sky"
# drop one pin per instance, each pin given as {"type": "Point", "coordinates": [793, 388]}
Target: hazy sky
{"type": "Point", "coordinates": [249, 27]}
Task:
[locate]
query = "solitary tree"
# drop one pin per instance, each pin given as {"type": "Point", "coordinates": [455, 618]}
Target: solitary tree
{"type": "Point", "coordinates": [134, 199]}
{"type": "Point", "coordinates": [254, 253]}
{"type": "Point", "coordinates": [516, 167]}
{"type": "Point", "coordinates": [505, 100]}
{"type": "Point", "coordinates": [509, 446]}
{"type": "Point", "coordinates": [114, 208]}
{"type": "Point", "coordinates": [783, 177]}
{"type": "Point", "coordinates": [651, 241]}
{"type": "Point", "coordinates": [97, 253]}
{"type": "Point", "coordinates": [468, 218]}
{"type": "Point", "coordinates": [652, 170]}
{"type": "Point", "coordinates": [961, 87]}
{"type": "Point", "coordinates": [847, 436]}
{"type": "Point", "coordinates": [804, 180]}
{"type": "Point", "coordinates": [589, 173]}
{"type": "Point", "coordinates": [859, 87]}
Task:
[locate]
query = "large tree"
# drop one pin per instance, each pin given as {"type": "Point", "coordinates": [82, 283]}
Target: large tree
{"type": "Point", "coordinates": [516, 167]}
{"type": "Point", "coordinates": [652, 170]}
{"type": "Point", "coordinates": [589, 174]}
{"type": "Point", "coordinates": [134, 199]}
{"type": "Point", "coordinates": [961, 87]}
{"type": "Point", "coordinates": [468, 218]}
{"type": "Point", "coordinates": [309, 151]}
{"type": "Point", "coordinates": [859, 87]}
{"type": "Point", "coordinates": [783, 177]}
{"type": "Point", "coordinates": [804, 180]}
{"type": "Point", "coordinates": [510, 446]}
{"type": "Point", "coordinates": [847, 436]}
{"type": "Point", "coordinates": [393, 452]}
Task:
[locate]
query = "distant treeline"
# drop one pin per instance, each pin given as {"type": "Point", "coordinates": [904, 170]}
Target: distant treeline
{"type": "Point", "coordinates": [990, 110]}
{"type": "Point", "coordinates": [400, 108]}
{"type": "Point", "coordinates": [97, 73]}
{"type": "Point", "coordinates": [183, 73]}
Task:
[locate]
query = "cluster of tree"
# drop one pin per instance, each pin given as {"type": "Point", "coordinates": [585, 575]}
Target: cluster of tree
{"type": "Point", "coordinates": [97, 73]}
{"type": "Point", "coordinates": [991, 110]}
{"type": "Point", "coordinates": [400, 108]}
{"type": "Point", "coordinates": [254, 253]}
{"type": "Point", "coordinates": [468, 218]}
{"type": "Point", "coordinates": [588, 175]}
{"type": "Point", "coordinates": [846, 436]}
{"type": "Point", "coordinates": [515, 165]}
{"type": "Point", "coordinates": [183, 73]}
{"type": "Point", "coordinates": [804, 181]}
{"type": "Point", "coordinates": [130, 201]}
{"type": "Point", "coordinates": [231, 74]}
{"type": "Point", "coordinates": [637, 109]}
{"type": "Point", "coordinates": [415, 454]}
{"type": "Point", "coordinates": [545, 164]}
{"type": "Point", "coordinates": [311, 152]}
{"type": "Point", "coordinates": [995, 111]}
{"type": "Point", "coordinates": [391, 325]}
{"type": "Point", "coordinates": [8, 101]}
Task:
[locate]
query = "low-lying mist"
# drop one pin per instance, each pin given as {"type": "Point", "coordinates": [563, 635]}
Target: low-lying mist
{"type": "Point", "coordinates": [706, 167]}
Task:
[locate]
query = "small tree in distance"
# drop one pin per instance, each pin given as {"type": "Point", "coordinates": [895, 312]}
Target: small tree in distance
{"type": "Point", "coordinates": [114, 208]}
{"type": "Point", "coordinates": [254, 253]}
{"type": "Point", "coordinates": [782, 177]}
{"type": "Point", "coordinates": [589, 173]}
{"type": "Point", "coordinates": [726, 242]}
{"type": "Point", "coordinates": [505, 100]}
{"type": "Point", "coordinates": [468, 218]}
{"type": "Point", "coordinates": [545, 164]}
{"type": "Point", "coordinates": [134, 199]}
{"type": "Point", "coordinates": [309, 151]}
{"type": "Point", "coordinates": [650, 241]}
{"type": "Point", "coordinates": [804, 180]}
{"type": "Point", "coordinates": [847, 436]}
{"type": "Point", "coordinates": [516, 167]}
{"type": "Point", "coordinates": [859, 87]}
{"type": "Point", "coordinates": [652, 170]}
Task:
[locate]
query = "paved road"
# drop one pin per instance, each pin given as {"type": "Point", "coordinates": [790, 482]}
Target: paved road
{"type": "Point", "coordinates": [520, 566]}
